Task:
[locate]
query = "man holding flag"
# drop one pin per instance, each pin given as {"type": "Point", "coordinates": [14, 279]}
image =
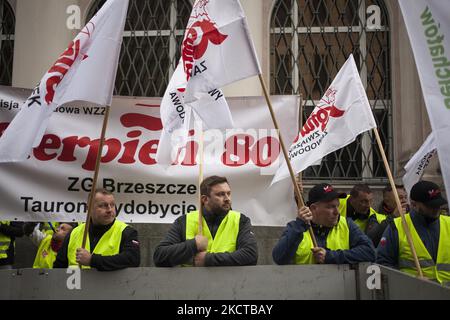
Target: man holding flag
{"type": "Point", "coordinates": [339, 239]}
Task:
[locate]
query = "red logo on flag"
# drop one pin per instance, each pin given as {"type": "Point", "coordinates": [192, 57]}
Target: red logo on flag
{"type": "Point", "coordinates": [199, 34]}
{"type": "Point", "coordinates": [64, 63]}
{"type": "Point", "coordinates": [319, 119]}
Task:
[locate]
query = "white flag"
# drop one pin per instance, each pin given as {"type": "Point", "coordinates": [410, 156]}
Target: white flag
{"type": "Point", "coordinates": [212, 109]}
{"type": "Point", "coordinates": [428, 25]}
{"type": "Point", "coordinates": [417, 164]}
{"type": "Point", "coordinates": [217, 48]}
{"type": "Point", "coordinates": [340, 116]}
{"type": "Point", "coordinates": [85, 71]}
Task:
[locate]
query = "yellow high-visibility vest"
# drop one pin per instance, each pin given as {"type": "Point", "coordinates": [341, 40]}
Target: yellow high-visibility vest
{"type": "Point", "coordinates": [380, 217]}
{"type": "Point", "coordinates": [108, 245]}
{"type": "Point", "coordinates": [5, 242]}
{"type": "Point", "coordinates": [440, 270]}
{"type": "Point", "coordinates": [45, 255]}
{"type": "Point", "coordinates": [362, 224]}
{"type": "Point", "coordinates": [338, 239]}
{"type": "Point", "coordinates": [226, 237]}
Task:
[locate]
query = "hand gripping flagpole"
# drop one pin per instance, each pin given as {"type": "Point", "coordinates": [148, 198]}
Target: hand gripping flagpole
{"type": "Point", "coordinates": [399, 205]}
{"type": "Point", "coordinates": [94, 182]}
{"type": "Point", "coordinates": [298, 194]}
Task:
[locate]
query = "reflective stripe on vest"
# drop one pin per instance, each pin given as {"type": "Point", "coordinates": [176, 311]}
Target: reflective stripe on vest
{"type": "Point", "coordinates": [108, 245]}
{"type": "Point", "coordinates": [45, 255]}
{"type": "Point", "coordinates": [439, 271]}
{"type": "Point", "coordinates": [337, 239]}
{"type": "Point", "coordinates": [226, 236]}
{"type": "Point", "coordinates": [362, 224]}
{"type": "Point", "coordinates": [5, 242]}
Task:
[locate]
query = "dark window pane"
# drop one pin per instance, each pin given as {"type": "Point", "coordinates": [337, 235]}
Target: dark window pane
{"type": "Point", "coordinates": [7, 24]}
{"type": "Point", "coordinates": [328, 31]}
{"type": "Point", "coordinates": [146, 57]}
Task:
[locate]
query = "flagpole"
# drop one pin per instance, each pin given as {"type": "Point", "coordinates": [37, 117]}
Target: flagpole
{"type": "Point", "coordinates": [300, 203]}
{"type": "Point", "coordinates": [200, 180]}
{"type": "Point", "coordinates": [94, 182]}
{"type": "Point", "coordinates": [397, 201]}
{"type": "Point", "coordinates": [300, 120]}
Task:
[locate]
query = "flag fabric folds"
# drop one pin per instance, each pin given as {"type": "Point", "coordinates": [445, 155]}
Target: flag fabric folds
{"type": "Point", "coordinates": [85, 71]}
{"type": "Point", "coordinates": [428, 26]}
{"type": "Point", "coordinates": [416, 166]}
{"type": "Point", "coordinates": [216, 50]}
{"type": "Point", "coordinates": [340, 116]}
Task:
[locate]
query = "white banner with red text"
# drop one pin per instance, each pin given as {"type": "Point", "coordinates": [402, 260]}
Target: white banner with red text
{"type": "Point", "coordinates": [53, 184]}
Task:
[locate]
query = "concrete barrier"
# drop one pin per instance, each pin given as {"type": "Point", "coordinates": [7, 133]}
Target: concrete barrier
{"type": "Point", "coordinates": [256, 282]}
{"type": "Point", "coordinates": [317, 282]}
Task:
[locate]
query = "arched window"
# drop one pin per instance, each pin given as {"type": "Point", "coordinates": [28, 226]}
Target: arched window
{"type": "Point", "coordinates": [154, 30]}
{"type": "Point", "coordinates": [309, 42]}
{"type": "Point", "coordinates": [7, 22]}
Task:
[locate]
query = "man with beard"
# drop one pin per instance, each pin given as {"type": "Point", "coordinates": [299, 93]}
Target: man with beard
{"type": "Point", "coordinates": [48, 243]}
{"type": "Point", "coordinates": [339, 239]}
{"type": "Point", "coordinates": [227, 238]}
{"type": "Point", "coordinates": [430, 232]}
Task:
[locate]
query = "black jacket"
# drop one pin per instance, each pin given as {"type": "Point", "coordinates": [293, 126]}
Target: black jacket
{"type": "Point", "coordinates": [175, 250]}
{"type": "Point", "coordinates": [129, 254]}
{"type": "Point", "coordinates": [13, 230]}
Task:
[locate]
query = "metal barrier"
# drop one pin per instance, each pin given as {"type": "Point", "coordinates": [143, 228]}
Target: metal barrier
{"type": "Point", "coordinates": [316, 282]}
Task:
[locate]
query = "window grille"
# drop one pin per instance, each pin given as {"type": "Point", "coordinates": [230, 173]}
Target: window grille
{"type": "Point", "coordinates": [309, 42]}
{"type": "Point", "coordinates": [154, 30]}
{"type": "Point", "coordinates": [7, 23]}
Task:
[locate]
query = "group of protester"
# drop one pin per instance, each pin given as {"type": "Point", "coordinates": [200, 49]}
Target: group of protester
{"type": "Point", "coordinates": [332, 228]}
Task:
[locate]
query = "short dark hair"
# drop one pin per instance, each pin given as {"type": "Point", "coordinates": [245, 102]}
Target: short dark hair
{"type": "Point", "coordinates": [103, 191]}
{"type": "Point", "coordinates": [208, 183]}
{"type": "Point", "coordinates": [360, 188]}
{"type": "Point", "coordinates": [388, 188]}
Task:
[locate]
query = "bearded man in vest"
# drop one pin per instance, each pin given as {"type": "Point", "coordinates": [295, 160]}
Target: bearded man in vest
{"type": "Point", "coordinates": [227, 238]}
{"type": "Point", "coordinates": [48, 243]}
{"type": "Point", "coordinates": [357, 205]}
{"type": "Point", "coordinates": [339, 239]}
{"type": "Point", "coordinates": [110, 244]}
{"type": "Point", "coordinates": [430, 233]}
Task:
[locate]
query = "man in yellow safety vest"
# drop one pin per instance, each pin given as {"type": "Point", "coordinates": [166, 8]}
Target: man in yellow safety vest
{"type": "Point", "coordinates": [227, 238]}
{"type": "Point", "coordinates": [430, 232]}
{"type": "Point", "coordinates": [339, 239]}
{"type": "Point", "coordinates": [110, 243]}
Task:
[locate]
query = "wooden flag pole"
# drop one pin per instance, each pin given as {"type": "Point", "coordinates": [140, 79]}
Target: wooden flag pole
{"type": "Point", "coordinates": [94, 182]}
{"type": "Point", "coordinates": [300, 120]}
{"type": "Point", "coordinates": [200, 180]}
{"type": "Point", "coordinates": [300, 203]}
{"type": "Point", "coordinates": [397, 201]}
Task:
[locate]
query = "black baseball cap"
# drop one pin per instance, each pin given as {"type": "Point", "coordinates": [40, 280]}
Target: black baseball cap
{"type": "Point", "coordinates": [428, 193]}
{"type": "Point", "coordinates": [323, 192]}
